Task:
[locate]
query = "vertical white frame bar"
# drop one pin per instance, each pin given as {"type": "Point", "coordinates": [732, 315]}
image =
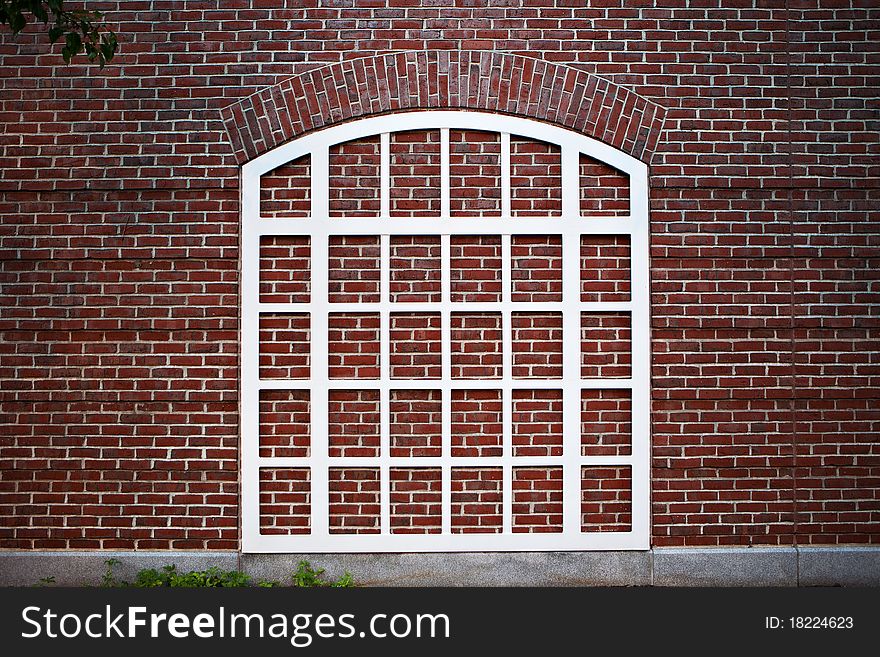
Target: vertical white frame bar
{"type": "Point", "coordinates": [385, 176]}
{"type": "Point", "coordinates": [444, 172]}
{"type": "Point", "coordinates": [506, 345]}
{"type": "Point", "coordinates": [318, 335]}
{"type": "Point", "coordinates": [446, 384]}
{"type": "Point", "coordinates": [385, 389]}
{"type": "Point", "coordinates": [445, 344]}
{"type": "Point", "coordinates": [384, 336]}
{"type": "Point", "coordinates": [571, 343]}
{"type": "Point", "coordinates": [506, 387]}
{"type": "Point", "coordinates": [505, 175]}
{"type": "Point", "coordinates": [319, 227]}
{"type": "Point", "coordinates": [640, 326]}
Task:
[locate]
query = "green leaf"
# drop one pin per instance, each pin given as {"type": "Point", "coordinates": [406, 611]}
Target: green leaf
{"type": "Point", "coordinates": [74, 43]}
{"type": "Point", "coordinates": [55, 33]}
{"type": "Point", "coordinates": [39, 11]}
{"type": "Point", "coordinates": [66, 54]}
{"type": "Point", "coordinates": [16, 21]}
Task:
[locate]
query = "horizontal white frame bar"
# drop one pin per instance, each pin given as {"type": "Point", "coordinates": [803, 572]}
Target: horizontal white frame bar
{"type": "Point", "coordinates": [455, 307]}
{"type": "Point", "coordinates": [438, 384]}
{"type": "Point", "coordinates": [466, 462]}
{"type": "Point", "coordinates": [445, 226]}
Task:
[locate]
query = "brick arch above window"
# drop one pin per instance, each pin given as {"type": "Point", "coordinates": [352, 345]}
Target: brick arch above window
{"type": "Point", "coordinates": [418, 80]}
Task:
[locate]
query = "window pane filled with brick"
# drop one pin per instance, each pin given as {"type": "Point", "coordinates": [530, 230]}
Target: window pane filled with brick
{"type": "Point", "coordinates": [415, 173]}
{"type": "Point", "coordinates": [285, 501]}
{"type": "Point", "coordinates": [535, 178]}
{"type": "Point", "coordinates": [604, 191]}
{"type": "Point", "coordinates": [285, 269]}
{"type": "Point", "coordinates": [476, 423]}
{"type": "Point", "coordinates": [415, 499]}
{"type": "Point", "coordinates": [536, 268]}
{"type": "Point", "coordinates": [474, 173]}
{"type": "Point", "coordinates": [537, 422]}
{"type": "Point", "coordinates": [353, 187]}
{"type": "Point", "coordinates": [537, 499]}
{"type": "Point", "coordinates": [284, 423]}
{"type": "Point", "coordinates": [605, 268]}
{"type": "Point", "coordinates": [606, 422]}
{"type": "Point", "coordinates": [476, 345]}
{"type": "Point", "coordinates": [354, 501]}
{"type": "Point", "coordinates": [537, 345]}
{"type": "Point", "coordinates": [606, 342]}
{"type": "Point", "coordinates": [475, 268]}
{"type": "Point", "coordinates": [606, 498]}
{"type": "Point", "coordinates": [354, 268]}
{"type": "Point", "coordinates": [353, 423]}
{"type": "Point", "coordinates": [284, 346]}
{"type": "Point", "coordinates": [353, 345]}
{"type": "Point", "coordinates": [286, 190]}
{"type": "Point", "coordinates": [476, 498]}
{"type": "Point", "coordinates": [415, 268]}
{"type": "Point", "coordinates": [415, 346]}
{"type": "Point", "coordinates": [415, 423]}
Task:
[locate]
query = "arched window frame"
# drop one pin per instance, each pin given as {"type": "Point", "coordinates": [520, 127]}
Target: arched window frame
{"type": "Point", "coordinates": [320, 225]}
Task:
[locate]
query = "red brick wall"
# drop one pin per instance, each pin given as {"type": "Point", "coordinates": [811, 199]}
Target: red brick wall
{"type": "Point", "coordinates": [119, 262]}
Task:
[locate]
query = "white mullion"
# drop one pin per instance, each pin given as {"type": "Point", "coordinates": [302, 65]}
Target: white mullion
{"type": "Point", "coordinates": [384, 386]}
{"type": "Point", "coordinates": [571, 347]}
{"type": "Point", "coordinates": [384, 176]}
{"type": "Point", "coordinates": [640, 324]}
{"type": "Point", "coordinates": [318, 336]}
{"type": "Point", "coordinates": [505, 175]}
{"type": "Point", "coordinates": [507, 387]}
{"type": "Point", "coordinates": [446, 376]}
{"type": "Point", "coordinates": [444, 172]}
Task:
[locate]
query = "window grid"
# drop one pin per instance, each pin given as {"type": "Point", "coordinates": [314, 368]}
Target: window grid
{"type": "Point", "coordinates": [571, 227]}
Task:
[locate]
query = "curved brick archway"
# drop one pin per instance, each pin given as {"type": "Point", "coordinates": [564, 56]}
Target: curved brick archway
{"type": "Point", "coordinates": [487, 81]}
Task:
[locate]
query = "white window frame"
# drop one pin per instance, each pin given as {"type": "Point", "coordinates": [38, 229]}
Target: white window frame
{"type": "Point", "coordinates": [320, 226]}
